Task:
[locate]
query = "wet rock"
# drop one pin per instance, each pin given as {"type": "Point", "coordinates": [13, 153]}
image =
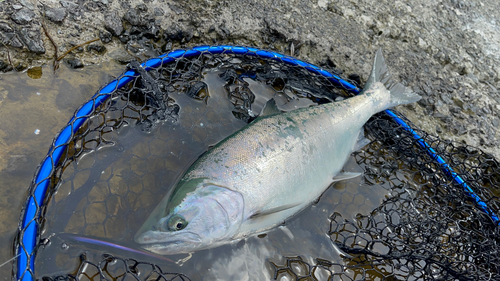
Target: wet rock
{"type": "Point", "coordinates": [105, 36]}
{"type": "Point", "coordinates": [158, 11]}
{"type": "Point", "coordinates": [5, 27]}
{"type": "Point", "coordinates": [56, 15]}
{"type": "Point", "coordinates": [176, 33]}
{"type": "Point", "coordinates": [133, 16]}
{"type": "Point", "coordinates": [97, 47]}
{"type": "Point", "coordinates": [23, 16]}
{"type": "Point", "coordinates": [9, 36]}
{"type": "Point", "coordinates": [27, 4]}
{"type": "Point", "coordinates": [113, 23]}
{"type": "Point", "coordinates": [121, 56]}
{"type": "Point", "coordinates": [3, 65]}
{"type": "Point", "coordinates": [70, 6]}
{"type": "Point", "coordinates": [32, 39]}
{"type": "Point", "coordinates": [74, 63]}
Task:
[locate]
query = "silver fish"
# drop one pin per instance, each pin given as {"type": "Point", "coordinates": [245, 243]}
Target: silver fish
{"type": "Point", "coordinates": [268, 171]}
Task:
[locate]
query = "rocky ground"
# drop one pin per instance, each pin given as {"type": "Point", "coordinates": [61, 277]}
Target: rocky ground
{"type": "Point", "coordinates": [447, 51]}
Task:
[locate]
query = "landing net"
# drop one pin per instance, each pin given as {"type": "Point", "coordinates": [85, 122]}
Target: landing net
{"type": "Point", "coordinates": [104, 172]}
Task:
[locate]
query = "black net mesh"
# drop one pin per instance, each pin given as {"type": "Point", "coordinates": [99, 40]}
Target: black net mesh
{"type": "Point", "coordinates": [135, 145]}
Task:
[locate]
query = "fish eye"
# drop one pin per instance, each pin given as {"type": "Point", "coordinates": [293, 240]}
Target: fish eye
{"type": "Point", "coordinates": [176, 223]}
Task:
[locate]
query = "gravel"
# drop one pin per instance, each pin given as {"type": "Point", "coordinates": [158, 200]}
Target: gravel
{"type": "Point", "coordinates": [447, 51]}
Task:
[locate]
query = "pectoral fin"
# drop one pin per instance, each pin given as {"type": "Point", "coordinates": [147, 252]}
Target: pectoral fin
{"type": "Point", "coordinates": [346, 176]}
{"type": "Point", "coordinates": [263, 213]}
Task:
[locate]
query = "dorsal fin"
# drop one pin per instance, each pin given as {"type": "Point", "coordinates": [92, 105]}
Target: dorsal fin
{"type": "Point", "coordinates": [270, 108]}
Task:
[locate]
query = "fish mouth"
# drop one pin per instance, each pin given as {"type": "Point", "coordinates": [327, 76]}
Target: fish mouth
{"type": "Point", "coordinates": [167, 243]}
{"type": "Point", "coordinates": [154, 237]}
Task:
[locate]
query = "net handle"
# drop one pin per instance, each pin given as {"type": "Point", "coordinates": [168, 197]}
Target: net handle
{"type": "Point", "coordinates": [28, 227]}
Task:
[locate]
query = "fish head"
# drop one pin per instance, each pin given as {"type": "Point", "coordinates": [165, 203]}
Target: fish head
{"type": "Point", "coordinates": [206, 217]}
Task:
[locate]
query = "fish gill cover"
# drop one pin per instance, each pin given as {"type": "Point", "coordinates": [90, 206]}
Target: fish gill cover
{"type": "Point", "coordinates": [405, 219]}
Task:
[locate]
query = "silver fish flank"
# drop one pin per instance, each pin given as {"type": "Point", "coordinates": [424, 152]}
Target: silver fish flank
{"type": "Point", "coordinates": [268, 171]}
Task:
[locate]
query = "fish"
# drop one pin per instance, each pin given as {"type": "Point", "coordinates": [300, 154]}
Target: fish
{"type": "Point", "coordinates": [270, 170]}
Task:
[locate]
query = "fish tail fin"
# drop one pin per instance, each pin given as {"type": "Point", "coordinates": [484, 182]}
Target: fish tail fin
{"type": "Point", "coordinates": [398, 94]}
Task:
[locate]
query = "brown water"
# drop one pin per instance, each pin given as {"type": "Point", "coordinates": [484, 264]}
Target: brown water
{"type": "Point", "coordinates": [32, 111]}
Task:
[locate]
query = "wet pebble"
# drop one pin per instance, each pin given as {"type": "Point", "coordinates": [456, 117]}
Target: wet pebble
{"type": "Point", "coordinates": [97, 47]}
{"type": "Point", "coordinates": [27, 4]}
{"type": "Point", "coordinates": [105, 36]}
{"type": "Point", "coordinates": [33, 40]}
{"type": "Point", "coordinates": [74, 63]}
{"type": "Point", "coordinates": [3, 65]}
{"type": "Point", "coordinates": [70, 6]}
{"type": "Point", "coordinates": [113, 23]}
{"type": "Point", "coordinates": [23, 16]}
{"type": "Point", "coordinates": [158, 11]}
{"type": "Point", "coordinates": [133, 17]}
{"type": "Point", "coordinates": [56, 15]}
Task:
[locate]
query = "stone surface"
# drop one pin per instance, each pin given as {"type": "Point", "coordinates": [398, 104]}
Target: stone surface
{"type": "Point", "coordinates": [446, 51]}
{"type": "Point", "coordinates": [113, 23]}
{"type": "Point", "coordinates": [32, 39]}
{"type": "Point", "coordinates": [56, 15]}
{"type": "Point", "coordinates": [74, 63]}
{"type": "Point", "coordinates": [121, 56]}
{"type": "Point", "coordinates": [23, 16]}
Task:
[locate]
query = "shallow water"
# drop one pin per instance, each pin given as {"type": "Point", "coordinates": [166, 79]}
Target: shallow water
{"type": "Point", "coordinates": [32, 112]}
{"type": "Point", "coordinates": [111, 191]}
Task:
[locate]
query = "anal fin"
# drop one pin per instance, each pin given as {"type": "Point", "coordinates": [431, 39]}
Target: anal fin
{"type": "Point", "coordinates": [346, 176]}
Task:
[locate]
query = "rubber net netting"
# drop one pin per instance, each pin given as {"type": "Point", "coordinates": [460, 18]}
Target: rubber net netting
{"type": "Point", "coordinates": [404, 219]}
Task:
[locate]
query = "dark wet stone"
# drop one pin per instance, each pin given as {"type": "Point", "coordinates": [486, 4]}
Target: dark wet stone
{"type": "Point", "coordinates": [97, 47]}
{"type": "Point", "coordinates": [495, 122]}
{"type": "Point", "coordinates": [12, 40]}
{"type": "Point", "coordinates": [176, 9]}
{"type": "Point", "coordinates": [158, 11]}
{"type": "Point", "coordinates": [70, 6]}
{"type": "Point", "coordinates": [176, 33]}
{"type": "Point", "coordinates": [6, 27]}
{"type": "Point", "coordinates": [113, 23]}
{"type": "Point", "coordinates": [105, 36]}
{"type": "Point", "coordinates": [32, 39]}
{"type": "Point", "coordinates": [27, 4]}
{"type": "Point", "coordinates": [74, 63]}
{"type": "Point", "coordinates": [3, 65]}
{"type": "Point", "coordinates": [224, 30]}
{"type": "Point", "coordinates": [56, 15]}
{"type": "Point", "coordinates": [167, 47]}
{"type": "Point", "coordinates": [142, 8]}
{"type": "Point", "coordinates": [133, 16]}
{"type": "Point", "coordinates": [23, 16]}
{"type": "Point", "coordinates": [121, 56]}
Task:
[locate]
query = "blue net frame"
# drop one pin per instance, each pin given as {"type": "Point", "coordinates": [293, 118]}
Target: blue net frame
{"type": "Point", "coordinates": [28, 239]}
